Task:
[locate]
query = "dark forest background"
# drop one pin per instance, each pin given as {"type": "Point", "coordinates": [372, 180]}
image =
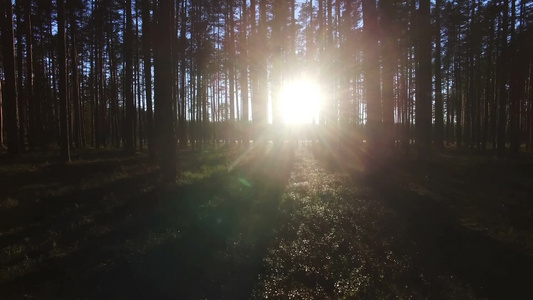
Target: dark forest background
{"type": "Point", "coordinates": [151, 74]}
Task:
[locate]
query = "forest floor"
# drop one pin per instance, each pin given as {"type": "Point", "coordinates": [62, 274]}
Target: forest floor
{"type": "Point", "coordinates": [268, 222]}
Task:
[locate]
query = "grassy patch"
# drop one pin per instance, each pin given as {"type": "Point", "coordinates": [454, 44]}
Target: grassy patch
{"type": "Point", "coordinates": [264, 222]}
{"type": "Point", "coordinates": [103, 226]}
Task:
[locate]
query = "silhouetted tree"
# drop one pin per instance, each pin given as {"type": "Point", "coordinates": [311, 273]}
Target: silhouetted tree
{"type": "Point", "coordinates": [147, 60]}
{"type": "Point", "coordinates": [164, 127]}
{"type": "Point", "coordinates": [371, 74]}
{"type": "Point", "coordinates": [63, 97]}
{"type": "Point", "coordinates": [129, 103]}
{"type": "Point", "coordinates": [10, 113]}
{"type": "Point", "coordinates": [423, 82]}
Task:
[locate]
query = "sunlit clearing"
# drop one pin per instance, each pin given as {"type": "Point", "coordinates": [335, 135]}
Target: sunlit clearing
{"type": "Point", "coordinates": [300, 102]}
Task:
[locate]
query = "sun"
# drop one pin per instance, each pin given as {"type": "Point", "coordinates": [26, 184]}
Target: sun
{"type": "Point", "coordinates": [300, 102]}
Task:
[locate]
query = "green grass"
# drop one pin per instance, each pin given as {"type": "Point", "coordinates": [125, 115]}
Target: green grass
{"type": "Point", "coordinates": [104, 221]}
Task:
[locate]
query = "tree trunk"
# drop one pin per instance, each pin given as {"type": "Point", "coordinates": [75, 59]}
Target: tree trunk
{"type": "Point", "coordinates": [1, 119]}
{"type": "Point", "coordinates": [371, 74]}
{"type": "Point", "coordinates": [182, 125]}
{"type": "Point", "coordinates": [489, 89]}
{"type": "Point", "coordinates": [129, 145]}
{"type": "Point", "coordinates": [388, 50]}
{"type": "Point", "coordinates": [262, 92]}
{"type": "Point", "coordinates": [244, 75]}
{"type": "Point", "coordinates": [164, 127]}
{"type": "Point", "coordinates": [502, 107]}
{"type": "Point", "coordinates": [147, 57]}
{"type": "Point", "coordinates": [516, 85]}
{"type": "Point", "coordinates": [439, 116]}
{"type": "Point", "coordinates": [10, 113]}
{"type": "Point", "coordinates": [423, 84]}
{"type": "Point", "coordinates": [63, 105]}
{"type": "Point", "coordinates": [35, 133]}
{"type": "Point", "coordinates": [21, 95]}
{"type": "Point", "coordinates": [75, 100]}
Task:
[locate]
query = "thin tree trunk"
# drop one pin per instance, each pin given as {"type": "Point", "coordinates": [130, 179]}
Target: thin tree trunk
{"type": "Point", "coordinates": [147, 59]}
{"type": "Point", "coordinates": [22, 98]}
{"type": "Point", "coordinates": [244, 75]}
{"type": "Point", "coordinates": [502, 107]}
{"type": "Point", "coordinates": [439, 118]}
{"type": "Point", "coordinates": [129, 146]}
{"type": "Point", "coordinates": [182, 126]}
{"type": "Point", "coordinates": [489, 89]}
{"type": "Point", "coordinates": [1, 118]}
{"type": "Point", "coordinates": [75, 100]}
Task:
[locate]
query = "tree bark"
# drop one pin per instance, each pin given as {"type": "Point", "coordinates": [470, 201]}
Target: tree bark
{"type": "Point", "coordinates": [129, 145]}
{"type": "Point", "coordinates": [244, 74]}
{"type": "Point", "coordinates": [75, 100]}
{"type": "Point", "coordinates": [423, 84]}
{"type": "Point", "coordinates": [371, 74]}
{"type": "Point", "coordinates": [21, 95]}
{"type": "Point", "coordinates": [10, 113]}
{"type": "Point", "coordinates": [439, 116]}
{"type": "Point", "coordinates": [388, 50]}
{"type": "Point", "coordinates": [63, 105]}
{"type": "Point", "coordinates": [164, 127]}
{"type": "Point", "coordinates": [502, 105]}
{"type": "Point", "coordinates": [147, 57]}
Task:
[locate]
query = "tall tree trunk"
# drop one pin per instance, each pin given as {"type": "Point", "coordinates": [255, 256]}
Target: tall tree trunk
{"type": "Point", "coordinates": [388, 50]}
{"type": "Point", "coordinates": [276, 43]}
{"type": "Point", "coordinates": [96, 71]}
{"type": "Point", "coordinates": [502, 107]}
{"type": "Point", "coordinates": [423, 84]}
{"type": "Point", "coordinates": [261, 93]}
{"type": "Point", "coordinates": [115, 111]}
{"type": "Point", "coordinates": [182, 126]}
{"type": "Point", "coordinates": [516, 85]}
{"type": "Point", "coordinates": [63, 98]}
{"type": "Point", "coordinates": [254, 66]}
{"type": "Point", "coordinates": [22, 98]}
{"type": "Point", "coordinates": [10, 113]}
{"type": "Point", "coordinates": [231, 61]}
{"type": "Point", "coordinates": [34, 118]}
{"type": "Point", "coordinates": [439, 116]}
{"type": "Point", "coordinates": [147, 57]}
{"type": "Point", "coordinates": [129, 143]}
{"type": "Point", "coordinates": [371, 74]}
{"type": "Point", "coordinates": [489, 88]}
{"type": "Point", "coordinates": [1, 118]}
{"type": "Point", "coordinates": [75, 99]}
{"type": "Point", "coordinates": [244, 74]}
{"type": "Point", "coordinates": [164, 127]}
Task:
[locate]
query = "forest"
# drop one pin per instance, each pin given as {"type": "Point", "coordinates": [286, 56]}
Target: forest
{"type": "Point", "coordinates": [250, 149]}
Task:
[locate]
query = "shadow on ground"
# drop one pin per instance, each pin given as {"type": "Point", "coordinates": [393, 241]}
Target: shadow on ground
{"type": "Point", "coordinates": [422, 199]}
{"type": "Point", "coordinates": [127, 236]}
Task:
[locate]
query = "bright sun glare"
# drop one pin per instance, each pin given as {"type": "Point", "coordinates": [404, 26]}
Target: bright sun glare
{"type": "Point", "coordinates": [300, 102]}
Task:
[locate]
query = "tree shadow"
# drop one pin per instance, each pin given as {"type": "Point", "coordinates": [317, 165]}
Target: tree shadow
{"type": "Point", "coordinates": [489, 267]}
{"type": "Point", "coordinates": [51, 211]}
{"type": "Point", "coordinates": [225, 229]}
{"type": "Point", "coordinates": [204, 237]}
{"type": "Point", "coordinates": [47, 173]}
